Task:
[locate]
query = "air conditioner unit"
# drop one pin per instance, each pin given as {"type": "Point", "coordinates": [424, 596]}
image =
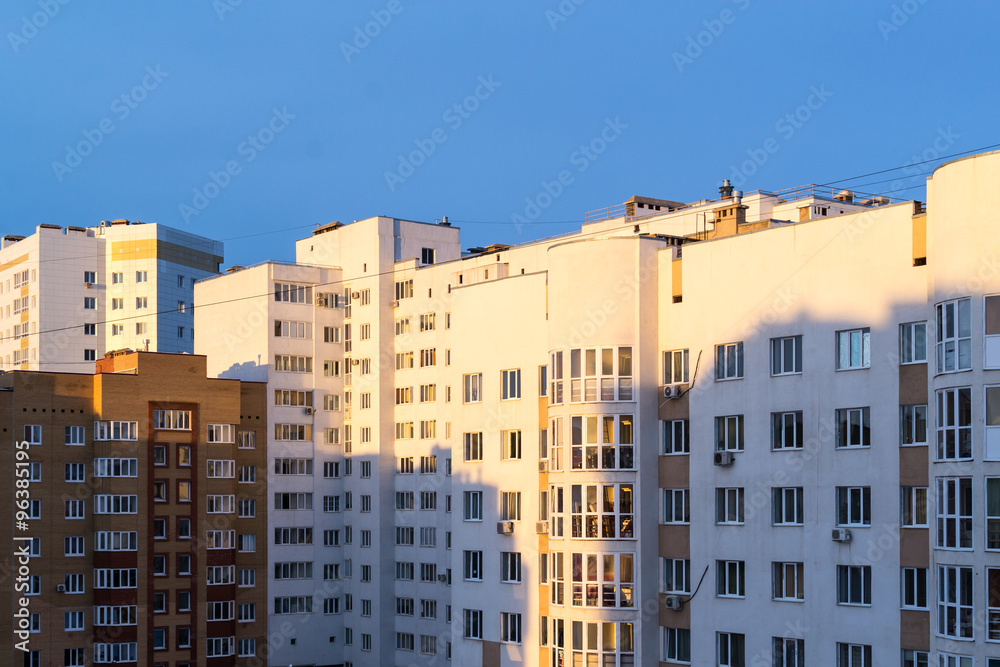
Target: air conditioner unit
{"type": "Point", "coordinates": [674, 602]}
{"type": "Point", "coordinates": [724, 459]}
{"type": "Point", "coordinates": [307, 411]}
{"type": "Point", "coordinates": [442, 578]}
{"type": "Point", "coordinates": [394, 304]}
{"type": "Point", "coordinates": [322, 301]}
{"type": "Point", "coordinates": [841, 535]}
{"type": "Point", "coordinates": [61, 588]}
{"type": "Point", "coordinates": [543, 466]}
{"type": "Point", "coordinates": [505, 527]}
{"type": "Point", "coordinates": [88, 285]}
{"type": "Point", "coordinates": [541, 527]}
{"type": "Point", "coordinates": [355, 362]}
{"type": "Point", "coordinates": [355, 295]}
{"type": "Point", "coordinates": [672, 391]}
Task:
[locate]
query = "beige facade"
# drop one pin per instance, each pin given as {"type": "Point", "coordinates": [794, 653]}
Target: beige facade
{"type": "Point", "coordinates": [68, 295]}
{"type": "Point", "coordinates": [751, 430]}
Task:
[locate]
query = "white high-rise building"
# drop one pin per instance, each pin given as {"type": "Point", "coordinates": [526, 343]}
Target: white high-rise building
{"type": "Point", "coordinates": [68, 295]}
{"type": "Point", "coordinates": [759, 429]}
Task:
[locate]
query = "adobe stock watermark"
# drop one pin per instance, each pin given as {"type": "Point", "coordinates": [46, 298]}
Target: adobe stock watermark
{"type": "Point", "coordinates": [899, 16]}
{"type": "Point", "coordinates": [30, 25]}
{"type": "Point", "coordinates": [581, 158]}
{"type": "Point", "coordinates": [454, 116]}
{"type": "Point", "coordinates": [22, 554]}
{"type": "Point", "coordinates": [363, 35]}
{"type": "Point", "coordinates": [786, 127]}
{"type": "Point", "coordinates": [696, 44]}
{"type": "Point", "coordinates": [913, 168]}
{"type": "Point", "coordinates": [248, 150]}
{"type": "Point", "coordinates": [122, 107]}
{"type": "Point", "coordinates": [562, 12]}
{"type": "Point", "coordinates": [223, 7]}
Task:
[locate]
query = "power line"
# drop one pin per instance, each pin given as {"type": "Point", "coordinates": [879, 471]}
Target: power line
{"type": "Point", "coordinates": [910, 164]}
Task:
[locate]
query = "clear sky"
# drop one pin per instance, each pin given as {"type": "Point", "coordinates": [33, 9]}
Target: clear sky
{"type": "Point", "coordinates": [235, 118]}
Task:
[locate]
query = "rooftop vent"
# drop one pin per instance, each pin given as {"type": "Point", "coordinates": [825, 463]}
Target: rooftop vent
{"type": "Point", "coordinates": [726, 191]}
{"type": "Point", "coordinates": [444, 221]}
{"type": "Point", "coordinates": [844, 195]}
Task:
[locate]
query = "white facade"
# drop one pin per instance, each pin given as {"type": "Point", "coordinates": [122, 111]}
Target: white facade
{"type": "Point", "coordinates": [70, 295]}
{"type": "Point", "coordinates": [793, 510]}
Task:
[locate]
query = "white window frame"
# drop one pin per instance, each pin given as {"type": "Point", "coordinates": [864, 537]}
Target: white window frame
{"type": "Point", "coordinates": [729, 361]}
{"type": "Point", "coordinates": [853, 349]}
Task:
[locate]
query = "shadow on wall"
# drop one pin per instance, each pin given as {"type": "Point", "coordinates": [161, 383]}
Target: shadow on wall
{"type": "Point", "coordinates": [248, 371]}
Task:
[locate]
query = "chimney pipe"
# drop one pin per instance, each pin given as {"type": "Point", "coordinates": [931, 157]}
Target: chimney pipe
{"type": "Point", "coordinates": [726, 191]}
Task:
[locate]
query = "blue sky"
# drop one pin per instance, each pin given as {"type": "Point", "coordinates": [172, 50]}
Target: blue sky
{"type": "Point", "coordinates": [235, 118]}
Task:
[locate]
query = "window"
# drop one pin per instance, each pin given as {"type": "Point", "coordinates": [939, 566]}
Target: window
{"type": "Point", "coordinates": [912, 425]}
{"type": "Point", "coordinates": [954, 513]}
{"type": "Point", "coordinates": [115, 540]}
{"type": "Point", "coordinates": [510, 445]}
{"type": "Point", "coordinates": [914, 588]}
{"type": "Point", "coordinates": [74, 583]}
{"type": "Point", "coordinates": [293, 364]}
{"type": "Point", "coordinates": [73, 546]}
{"type": "Point", "coordinates": [473, 446]}
{"type": "Point", "coordinates": [992, 513]}
{"type": "Point", "coordinates": [853, 349]}
{"type": "Point", "coordinates": [427, 255]}
{"type": "Point", "coordinates": [473, 388]}
{"type": "Point", "coordinates": [172, 420]}
{"type": "Point", "coordinates": [729, 578]}
{"type": "Point", "coordinates": [788, 651]}
{"type": "Point", "coordinates": [853, 428]}
{"type": "Point", "coordinates": [428, 465]}
{"type": "Point", "coordinates": [472, 623]}
{"type": "Point", "coordinates": [913, 658]}
{"type": "Point", "coordinates": [118, 304]}
{"type": "Point", "coordinates": [913, 343]}
{"type": "Point", "coordinates": [89, 303]}
{"type": "Point", "coordinates": [510, 627]}
{"type": "Point", "coordinates": [954, 336]}
{"type": "Point", "coordinates": [731, 649]}
{"type": "Point", "coordinates": [676, 575]}
{"type": "Point", "coordinates": [913, 506]}
{"type": "Point", "coordinates": [993, 603]}
{"type": "Point", "coordinates": [473, 505]}
{"type": "Point", "coordinates": [510, 505]}
{"type": "Point", "coordinates": [33, 434]}
{"type": "Point", "coordinates": [115, 615]}
{"type": "Point", "coordinates": [89, 329]}
{"type": "Point", "coordinates": [404, 289]}
{"type": "Point", "coordinates": [955, 601]}
{"type": "Point", "coordinates": [115, 653]}
{"type": "Point", "coordinates": [952, 660]}
{"type": "Point", "coordinates": [676, 439]}
{"type": "Point", "coordinates": [105, 503]}
{"type": "Point", "coordinates": [73, 509]}
{"type": "Point", "coordinates": [954, 424]}
{"type": "Point", "coordinates": [676, 645]}
{"type": "Point", "coordinates": [290, 293]}
{"type": "Point", "coordinates": [854, 506]}
{"type": "Point", "coordinates": [786, 355]}
{"type": "Point", "coordinates": [787, 582]}
{"type": "Point", "coordinates": [729, 506]}
{"type": "Point", "coordinates": [75, 435]}
{"type": "Point", "coordinates": [854, 655]}
{"type": "Point", "coordinates": [675, 367]}
{"type": "Point", "coordinates": [141, 302]}
{"type": "Point", "coordinates": [676, 506]}
{"type": "Point", "coordinates": [854, 584]}
{"type": "Point", "coordinates": [786, 430]}
{"type": "Point", "coordinates": [510, 567]}
{"type": "Point", "coordinates": [511, 384]}
{"type": "Point", "coordinates": [473, 565]}
{"type": "Point", "coordinates": [729, 361]}
{"type": "Point", "coordinates": [729, 433]}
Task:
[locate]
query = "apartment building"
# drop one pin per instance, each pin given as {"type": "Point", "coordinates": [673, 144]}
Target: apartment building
{"type": "Point", "coordinates": [68, 295]}
{"type": "Point", "coordinates": [758, 429]}
{"type": "Point", "coordinates": [136, 533]}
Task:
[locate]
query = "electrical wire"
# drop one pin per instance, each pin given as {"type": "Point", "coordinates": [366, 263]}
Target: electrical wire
{"type": "Point", "coordinates": [393, 271]}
